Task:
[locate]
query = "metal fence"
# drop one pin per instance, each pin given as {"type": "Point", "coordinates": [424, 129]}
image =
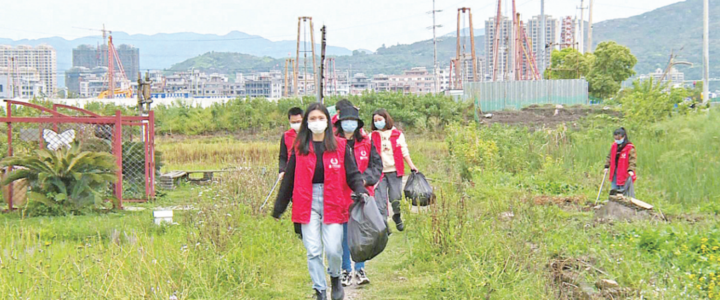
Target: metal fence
{"type": "Point", "coordinates": [501, 95]}
{"type": "Point", "coordinates": [130, 139]}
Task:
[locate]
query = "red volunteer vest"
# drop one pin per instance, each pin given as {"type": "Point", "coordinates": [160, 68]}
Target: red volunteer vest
{"type": "Point", "coordinates": [336, 193]}
{"type": "Point", "coordinates": [622, 164]}
{"type": "Point", "coordinates": [289, 137]}
{"type": "Point", "coordinates": [362, 158]}
{"type": "Point", "coordinates": [397, 151]}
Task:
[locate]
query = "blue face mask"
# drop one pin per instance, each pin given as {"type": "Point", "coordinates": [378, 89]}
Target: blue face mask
{"type": "Point", "coordinates": [620, 141]}
{"type": "Point", "coordinates": [349, 126]}
{"type": "Point", "coordinates": [380, 125]}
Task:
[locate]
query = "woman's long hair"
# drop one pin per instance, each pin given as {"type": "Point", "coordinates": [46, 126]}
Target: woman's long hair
{"type": "Point", "coordinates": [357, 135]}
{"type": "Point", "coordinates": [304, 137]}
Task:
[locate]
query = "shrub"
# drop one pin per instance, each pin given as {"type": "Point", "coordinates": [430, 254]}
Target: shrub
{"type": "Point", "coordinates": [64, 181]}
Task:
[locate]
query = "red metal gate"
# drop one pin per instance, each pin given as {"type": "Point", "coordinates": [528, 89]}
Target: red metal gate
{"type": "Point", "coordinates": [131, 139]}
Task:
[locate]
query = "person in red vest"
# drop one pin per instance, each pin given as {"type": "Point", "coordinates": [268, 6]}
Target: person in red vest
{"type": "Point", "coordinates": [349, 127]}
{"type": "Point", "coordinates": [320, 177]}
{"type": "Point", "coordinates": [390, 143]}
{"type": "Point", "coordinates": [295, 116]}
{"type": "Point", "coordinates": [621, 163]}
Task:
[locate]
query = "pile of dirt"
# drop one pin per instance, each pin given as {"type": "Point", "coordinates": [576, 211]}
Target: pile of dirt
{"type": "Point", "coordinates": [619, 211]}
{"type": "Point", "coordinates": [575, 203]}
{"type": "Point", "coordinates": [546, 115]}
{"type": "Point", "coordinates": [568, 279]}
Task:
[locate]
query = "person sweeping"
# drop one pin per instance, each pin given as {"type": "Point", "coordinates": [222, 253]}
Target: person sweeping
{"type": "Point", "coordinates": [320, 178]}
{"type": "Point", "coordinates": [621, 163]}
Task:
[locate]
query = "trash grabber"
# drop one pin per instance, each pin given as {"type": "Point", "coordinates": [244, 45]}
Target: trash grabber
{"type": "Point", "coordinates": [601, 187]}
{"type": "Point", "coordinates": [269, 194]}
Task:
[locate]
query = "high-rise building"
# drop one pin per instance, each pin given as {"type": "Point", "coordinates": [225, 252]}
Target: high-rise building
{"type": "Point", "coordinates": [552, 37]}
{"type": "Point", "coordinates": [504, 33]}
{"type": "Point", "coordinates": [90, 57]}
{"type": "Point", "coordinates": [32, 71]}
{"type": "Point", "coordinates": [567, 33]}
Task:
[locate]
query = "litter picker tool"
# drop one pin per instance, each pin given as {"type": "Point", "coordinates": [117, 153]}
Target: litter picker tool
{"type": "Point", "coordinates": [601, 187]}
{"type": "Point", "coordinates": [269, 194]}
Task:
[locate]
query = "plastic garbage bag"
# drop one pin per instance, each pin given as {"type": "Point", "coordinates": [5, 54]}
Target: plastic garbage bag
{"type": "Point", "coordinates": [419, 190]}
{"type": "Point", "coordinates": [367, 229]}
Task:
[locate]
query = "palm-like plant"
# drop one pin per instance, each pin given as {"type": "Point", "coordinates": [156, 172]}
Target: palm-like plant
{"type": "Point", "coordinates": [68, 179]}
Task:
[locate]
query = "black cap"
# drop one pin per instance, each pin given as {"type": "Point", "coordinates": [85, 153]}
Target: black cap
{"type": "Point", "coordinates": [350, 113]}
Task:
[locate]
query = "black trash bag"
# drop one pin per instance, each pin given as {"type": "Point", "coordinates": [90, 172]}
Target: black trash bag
{"type": "Point", "coordinates": [419, 190]}
{"type": "Point", "coordinates": [367, 230]}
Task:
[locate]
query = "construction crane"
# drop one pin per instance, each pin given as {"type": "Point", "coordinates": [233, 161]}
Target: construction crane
{"type": "Point", "coordinates": [124, 88]}
{"type": "Point", "coordinates": [112, 59]}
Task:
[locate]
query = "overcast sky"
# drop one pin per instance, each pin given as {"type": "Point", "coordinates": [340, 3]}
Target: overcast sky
{"type": "Point", "coordinates": [355, 24]}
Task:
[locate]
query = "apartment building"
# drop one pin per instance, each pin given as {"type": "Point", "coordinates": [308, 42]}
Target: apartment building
{"type": "Point", "coordinates": [26, 65]}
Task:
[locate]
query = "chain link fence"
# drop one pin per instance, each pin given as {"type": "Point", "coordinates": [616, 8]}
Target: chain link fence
{"type": "Point", "coordinates": [64, 126]}
{"type": "Point", "coordinates": [503, 95]}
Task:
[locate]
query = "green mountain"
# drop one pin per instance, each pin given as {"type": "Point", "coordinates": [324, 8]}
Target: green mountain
{"type": "Point", "coordinates": [653, 35]}
{"type": "Point", "coordinates": [385, 60]}
{"type": "Point", "coordinates": [650, 36]}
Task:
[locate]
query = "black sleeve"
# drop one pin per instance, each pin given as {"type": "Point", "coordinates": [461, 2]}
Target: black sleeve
{"type": "Point", "coordinates": [374, 170]}
{"type": "Point", "coordinates": [284, 195]}
{"type": "Point", "coordinates": [352, 175]}
{"type": "Point", "coordinates": [283, 156]}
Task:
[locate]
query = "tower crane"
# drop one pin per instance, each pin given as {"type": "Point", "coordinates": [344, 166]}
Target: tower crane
{"type": "Point", "coordinates": [113, 59]}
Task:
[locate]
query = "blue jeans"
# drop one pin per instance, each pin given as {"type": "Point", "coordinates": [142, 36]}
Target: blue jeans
{"type": "Point", "coordinates": [346, 260]}
{"type": "Point", "coordinates": [317, 234]}
{"type": "Point", "coordinates": [614, 184]}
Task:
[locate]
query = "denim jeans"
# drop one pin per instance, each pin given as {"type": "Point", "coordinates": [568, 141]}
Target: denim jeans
{"type": "Point", "coordinates": [316, 234]}
{"type": "Point", "coordinates": [614, 184]}
{"type": "Point", "coordinates": [346, 260]}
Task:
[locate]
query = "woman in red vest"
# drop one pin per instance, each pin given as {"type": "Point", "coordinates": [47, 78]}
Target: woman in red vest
{"type": "Point", "coordinates": [621, 163]}
{"type": "Point", "coordinates": [320, 177]}
{"type": "Point", "coordinates": [349, 127]}
{"type": "Point", "coordinates": [295, 116]}
{"type": "Point", "coordinates": [390, 143]}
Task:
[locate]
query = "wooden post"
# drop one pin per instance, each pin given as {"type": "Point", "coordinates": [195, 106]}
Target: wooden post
{"type": "Point", "coordinates": [117, 150]}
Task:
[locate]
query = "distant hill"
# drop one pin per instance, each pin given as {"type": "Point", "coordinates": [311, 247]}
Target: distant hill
{"type": "Point", "coordinates": [652, 35]}
{"type": "Point", "coordinates": [466, 32]}
{"type": "Point", "coordinates": [386, 60]}
{"type": "Point", "coordinates": [160, 51]}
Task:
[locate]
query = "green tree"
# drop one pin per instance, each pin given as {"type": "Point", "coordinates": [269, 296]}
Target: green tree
{"type": "Point", "coordinates": [648, 102]}
{"type": "Point", "coordinates": [569, 63]}
{"type": "Point", "coordinates": [613, 64]}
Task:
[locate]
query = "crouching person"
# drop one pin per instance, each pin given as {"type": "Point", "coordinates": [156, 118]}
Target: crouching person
{"type": "Point", "coordinates": [320, 176]}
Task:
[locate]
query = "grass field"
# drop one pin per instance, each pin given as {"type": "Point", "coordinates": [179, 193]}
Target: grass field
{"type": "Point", "coordinates": [518, 225]}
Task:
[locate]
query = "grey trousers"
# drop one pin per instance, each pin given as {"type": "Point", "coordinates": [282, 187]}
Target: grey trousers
{"type": "Point", "coordinates": [389, 190]}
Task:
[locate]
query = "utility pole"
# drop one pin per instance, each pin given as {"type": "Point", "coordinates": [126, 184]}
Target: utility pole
{"type": "Point", "coordinates": [582, 27]}
{"type": "Point", "coordinates": [320, 76]}
{"type": "Point", "coordinates": [590, 28]}
{"type": "Point", "coordinates": [435, 63]}
{"type": "Point", "coordinates": [542, 38]}
{"type": "Point", "coordinates": [706, 54]}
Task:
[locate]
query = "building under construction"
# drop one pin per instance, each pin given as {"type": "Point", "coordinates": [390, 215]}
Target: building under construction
{"type": "Point", "coordinates": [96, 56]}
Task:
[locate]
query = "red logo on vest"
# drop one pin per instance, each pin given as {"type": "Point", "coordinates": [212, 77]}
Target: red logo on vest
{"type": "Point", "coordinates": [363, 155]}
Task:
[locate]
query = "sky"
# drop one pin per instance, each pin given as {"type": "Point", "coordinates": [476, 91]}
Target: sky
{"type": "Point", "coordinates": [365, 24]}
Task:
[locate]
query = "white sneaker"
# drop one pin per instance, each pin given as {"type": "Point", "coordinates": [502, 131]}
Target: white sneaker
{"type": "Point", "coordinates": [361, 277]}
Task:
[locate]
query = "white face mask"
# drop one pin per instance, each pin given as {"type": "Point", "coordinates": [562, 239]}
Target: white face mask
{"type": "Point", "coordinates": [317, 127]}
{"type": "Point", "coordinates": [295, 126]}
